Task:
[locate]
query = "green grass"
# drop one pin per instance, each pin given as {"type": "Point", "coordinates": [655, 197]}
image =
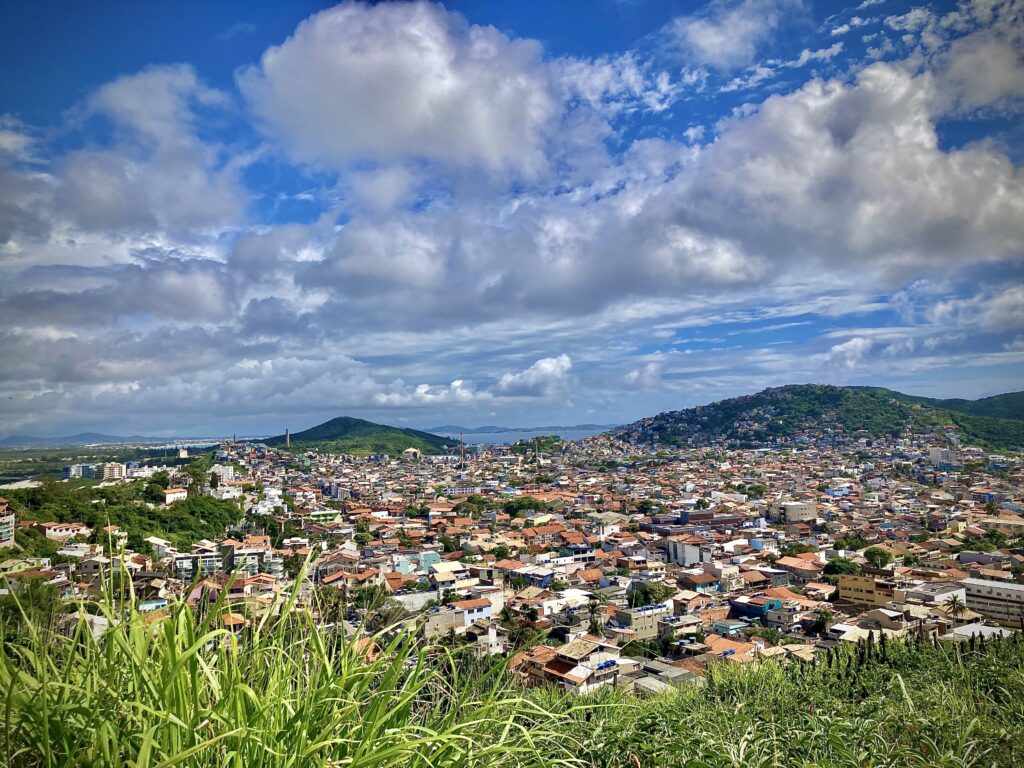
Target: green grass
{"type": "Point", "coordinates": [920, 706]}
{"type": "Point", "coordinates": [179, 690]}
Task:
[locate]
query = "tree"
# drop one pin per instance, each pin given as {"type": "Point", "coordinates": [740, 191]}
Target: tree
{"type": "Point", "coordinates": [796, 548]}
{"type": "Point", "coordinates": [514, 507]}
{"type": "Point", "coordinates": [331, 604]}
{"type": "Point", "coordinates": [293, 564]}
{"type": "Point", "coordinates": [154, 489]}
{"type": "Point", "coordinates": [851, 541]}
{"type": "Point", "coordinates": [40, 602]}
{"type": "Point", "coordinates": [196, 479]}
{"type": "Point", "coordinates": [500, 552]}
{"type": "Point", "coordinates": [878, 557]}
{"type": "Point", "coordinates": [825, 620]}
{"type": "Point", "coordinates": [507, 617]}
{"type": "Point", "coordinates": [771, 634]}
{"type": "Point", "coordinates": [841, 565]}
{"type": "Point", "coordinates": [956, 607]}
{"type": "Point", "coordinates": [594, 609]}
{"type": "Point", "coordinates": [650, 593]}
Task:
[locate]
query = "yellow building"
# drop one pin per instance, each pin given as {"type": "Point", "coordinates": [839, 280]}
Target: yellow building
{"type": "Point", "coordinates": [866, 589]}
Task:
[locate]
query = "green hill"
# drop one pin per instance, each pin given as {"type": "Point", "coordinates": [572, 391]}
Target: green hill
{"type": "Point", "coordinates": [813, 412]}
{"type": "Point", "coordinates": [361, 438]}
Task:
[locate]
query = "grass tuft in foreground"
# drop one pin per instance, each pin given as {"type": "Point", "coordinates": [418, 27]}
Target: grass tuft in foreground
{"type": "Point", "coordinates": [180, 690]}
{"type": "Point", "coordinates": [903, 704]}
{"type": "Point", "coordinates": [177, 690]}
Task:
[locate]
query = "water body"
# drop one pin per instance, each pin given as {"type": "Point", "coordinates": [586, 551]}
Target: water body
{"type": "Point", "coordinates": [507, 438]}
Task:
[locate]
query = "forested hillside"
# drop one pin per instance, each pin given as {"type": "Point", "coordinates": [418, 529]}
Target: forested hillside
{"type": "Point", "coordinates": [810, 412]}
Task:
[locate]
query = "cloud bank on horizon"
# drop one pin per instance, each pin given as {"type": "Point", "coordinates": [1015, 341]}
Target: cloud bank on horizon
{"type": "Point", "coordinates": [418, 215]}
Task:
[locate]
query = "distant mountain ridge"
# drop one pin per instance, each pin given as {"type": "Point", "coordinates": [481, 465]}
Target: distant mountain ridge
{"type": "Point", "coordinates": [346, 434]}
{"type": "Point", "coordinates": [798, 412]}
{"type": "Point", "coordinates": [1007, 406]}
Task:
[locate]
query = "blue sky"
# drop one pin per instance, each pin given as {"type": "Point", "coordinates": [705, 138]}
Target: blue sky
{"type": "Point", "coordinates": [232, 217]}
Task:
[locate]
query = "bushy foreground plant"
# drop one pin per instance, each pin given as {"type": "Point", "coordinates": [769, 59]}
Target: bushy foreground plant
{"type": "Point", "coordinates": [179, 690]}
{"type": "Point", "coordinates": [902, 704]}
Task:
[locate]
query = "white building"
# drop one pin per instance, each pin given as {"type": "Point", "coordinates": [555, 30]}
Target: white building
{"type": "Point", "coordinates": [225, 472]}
{"type": "Point", "coordinates": [172, 495]}
{"type": "Point", "coordinates": [685, 553]}
{"type": "Point", "coordinates": [999, 600]}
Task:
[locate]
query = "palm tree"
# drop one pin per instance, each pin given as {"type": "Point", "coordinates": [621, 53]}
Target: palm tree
{"type": "Point", "coordinates": [955, 607]}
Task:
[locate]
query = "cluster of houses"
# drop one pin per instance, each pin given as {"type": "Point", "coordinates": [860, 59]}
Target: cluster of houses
{"type": "Point", "coordinates": [599, 563]}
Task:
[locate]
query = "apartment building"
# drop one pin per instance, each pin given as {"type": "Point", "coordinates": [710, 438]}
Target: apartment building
{"type": "Point", "coordinates": [643, 621]}
{"type": "Point", "coordinates": [111, 470]}
{"type": "Point", "coordinates": [688, 552]}
{"type": "Point", "coordinates": [867, 589]}
{"type": "Point", "coordinates": [6, 525]}
{"type": "Point", "coordinates": [998, 600]}
{"type": "Point", "coordinates": [793, 511]}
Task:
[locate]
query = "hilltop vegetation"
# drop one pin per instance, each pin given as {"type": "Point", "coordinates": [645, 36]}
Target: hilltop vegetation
{"type": "Point", "coordinates": [777, 416]}
{"type": "Point", "coordinates": [359, 437]}
{"type": "Point", "coordinates": [542, 443]}
{"type": "Point", "coordinates": [137, 507]}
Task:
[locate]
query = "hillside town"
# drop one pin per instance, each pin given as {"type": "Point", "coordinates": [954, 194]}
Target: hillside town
{"type": "Point", "coordinates": [584, 564]}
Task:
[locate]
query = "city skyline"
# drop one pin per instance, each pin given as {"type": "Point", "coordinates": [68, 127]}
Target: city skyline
{"type": "Point", "coordinates": [225, 219]}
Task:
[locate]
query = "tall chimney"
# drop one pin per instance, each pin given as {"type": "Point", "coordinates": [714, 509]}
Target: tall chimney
{"type": "Point", "coordinates": [287, 438]}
